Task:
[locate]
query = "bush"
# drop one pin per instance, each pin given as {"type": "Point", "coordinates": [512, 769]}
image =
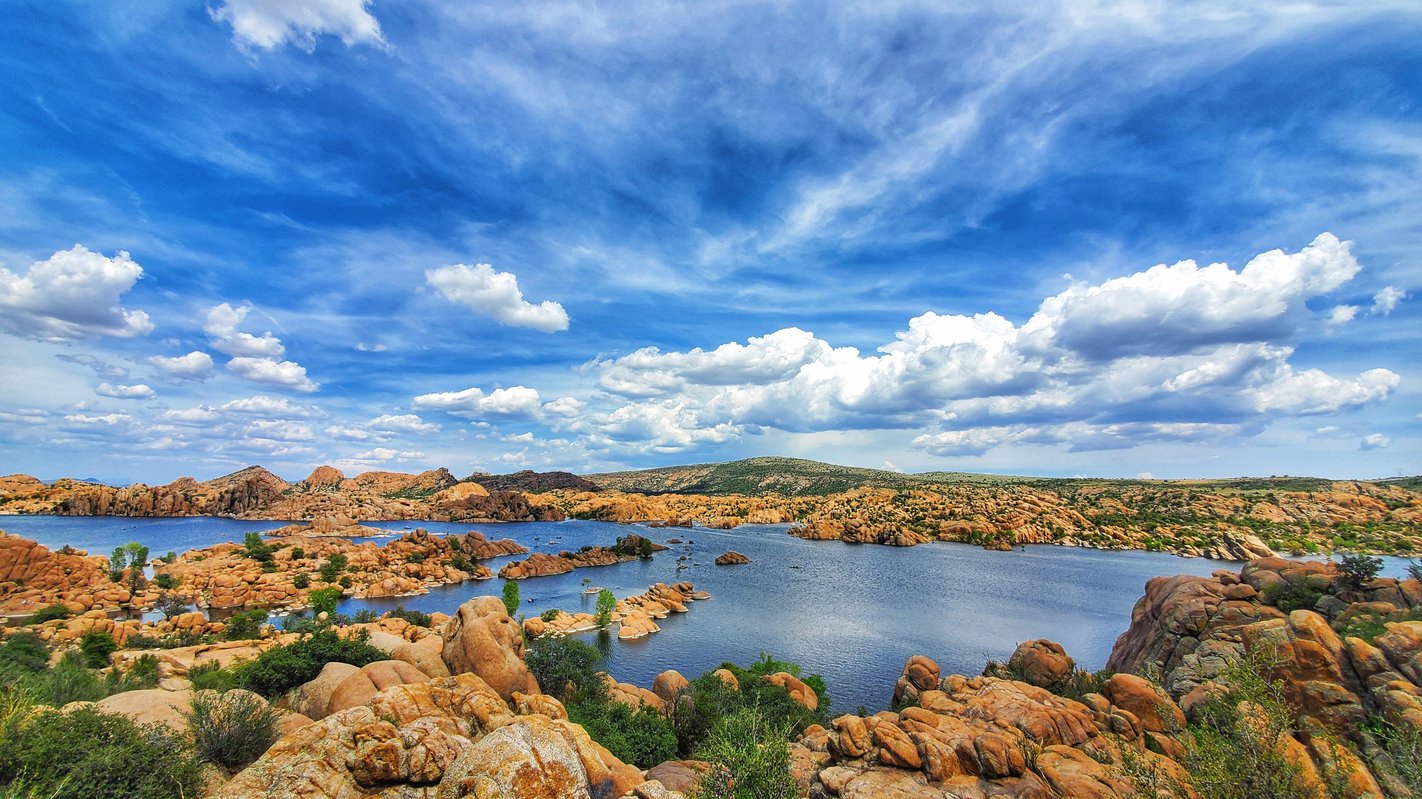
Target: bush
{"type": "Point", "coordinates": [413, 617]}
{"type": "Point", "coordinates": [23, 653]}
{"type": "Point", "coordinates": [333, 567]}
{"type": "Point", "coordinates": [751, 749]}
{"type": "Point", "coordinates": [211, 676]}
{"type": "Point", "coordinates": [364, 616]}
{"type": "Point", "coordinates": [246, 625]}
{"type": "Point", "coordinates": [164, 581]}
{"type": "Point", "coordinates": [170, 557]}
{"type": "Point", "coordinates": [560, 661]}
{"type": "Point", "coordinates": [416, 557]}
{"type": "Point", "coordinates": [141, 675]}
{"type": "Point", "coordinates": [257, 549]}
{"type": "Point", "coordinates": [713, 700]}
{"type": "Point", "coordinates": [638, 736]}
{"type": "Point", "coordinates": [171, 605]}
{"type": "Point", "coordinates": [297, 553]}
{"type": "Point", "coordinates": [282, 668]}
{"type": "Point", "coordinates": [69, 681]}
{"type": "Point", "coordinates": [1294, 596]}
{"type": "Point", "coordinates": [606, 603]}
{"type": "Point", "coordinates": [231, 729]}
{"type": "Point", "coordinates": [85, 754]}
{"type": "Point", "coordinates": [301, 581]}
{"type": "Point", "coordinates": [511, 596]}
{"type": "Point", "coordinates": [549, 614]}
{"type": "Point", "coordinates": [49, 614]}
{"type": "Point", "coordinates": [324, 600]}
{"type": "Point", "coordinates": [1356, 570]}
{"type": "Point", "coordinates": [461, 563]}
{"type": "Point", "coordinates": [1402, 751]}
{"type": "Point", "coordinates": [96, 647]}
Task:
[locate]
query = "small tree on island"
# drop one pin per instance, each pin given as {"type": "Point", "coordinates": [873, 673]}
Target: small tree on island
{"type": "Point", "coordinates": [606, 603]}
{"type": "Point", "coordinates": [129, 558]}
{"type": "Point", "coordinates": [511, 596]}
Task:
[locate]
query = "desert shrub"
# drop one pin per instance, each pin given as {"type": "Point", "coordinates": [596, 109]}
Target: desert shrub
{"type": "Point", "coordinates": [333, 567]}
{"type": "Point", "coordinates": [364, 616]}
{"type": "Point", "coordinates": [245, 626]}
{"type": "Point", "coordinates": [49, 614]}
{"type": "Point", "coordinates": [560, 661]}
{"type": "Point", "coordinates": [713, 700]}
{"type": "Point", "coordinates": [640, 736]}
{"type": "Point", "coordinates": [282, 668]}
{"type": "Point", "coordinates": [231, 729]}
{"type": "Point", "coordinates": [211, 676]}
{"type": "Point", "coordinates": [1402, 751]}
{"type": "Point", "coordinates": [85, 754]}
{"type": "Point", "coordinates": [511, 597]}
{"type": "Point", "coordinates": [416, 557]}
{"type": "Point", "coordinates": [142, 674]}
{"type": "Point", "coordinates": [1355, 570]}
{"type": "Point", "coordinates": [324, 600]}
{"type": "Point", "coordinates": [549, 614]}
{"type": "Point", "coordinates": [170, 605]}
{"type": "Point", "coordinates": [413, 617]}
{"type": "Point", "coordinates": [1289, 597]}
{"type": "Point", "coordinates": [606, 603]}
{"type": "Point", "coordinates": [164, 581]}
{"type": "Point", "coordinates": [345, 581]}
{"type": "Point", "coordinates": [751, 750]}
{"type": "Point", "coordinates": [23, 653]}
{"type": "Point", "coordinates": [301, 580]}
{"type": "Point", "coordinates": [461, 563]}
{"type": "Point", "coordinates": [96, 647]}
{"type": "Point", "coordinates": [170, 557]}
{"type": "Point", "coordinates": [256, 548]}
{"type": "Point", "coordinates": [297, 553]}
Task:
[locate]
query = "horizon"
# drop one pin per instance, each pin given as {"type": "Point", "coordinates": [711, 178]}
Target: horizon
{"type": "Point", "coordinates": [1117, 242]}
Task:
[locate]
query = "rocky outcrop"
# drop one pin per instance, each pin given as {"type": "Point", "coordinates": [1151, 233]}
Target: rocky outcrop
{"type": "Point", "coordinates": [1042, 663]}
{"type": "Point", "coordinates": [32, 577]}
{"type": "Point", "coordinates": [979, 736]}
{"type": "Point", "coordinates": [482, 639]}
{"type": "Point", "coordinates": [731, 559]}
{"type": "Point", "coordinates": [541, 564]}
{"type": "Point", "coordinates": [478, 547]}
{"type": "Point", "coordinates": [361, 686]}
{"type": "Point", "coordinates": [445, 739]}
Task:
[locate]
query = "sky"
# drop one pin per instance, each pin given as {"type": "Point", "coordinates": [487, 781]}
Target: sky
{"type": "Point", "coordinates": [1108, 239]}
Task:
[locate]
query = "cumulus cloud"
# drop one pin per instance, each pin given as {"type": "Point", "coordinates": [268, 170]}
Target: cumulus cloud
{"type": "Point", "coordinates": [262, 405]}
{"type": "Point", "coordinates": [564, 407]}
{"type": "Point", "coordinates": [1387, 299]}
{"type": "Point", "coordinates": [1374, 441]}
{"type": "Point", "coordinates": [386, 454]}
{"type": "Point", "coordinates": [287, 374]}
{"type": "Point", "coordinates": [73, 294]}
{"type": "Point", "coordinates": [496, 295]}
{"type": "Point", "coordinates": [138, 391]}
{"type": "Point", "coordinates": [279, 429]}
{"type": "Point", "coordinates": [220, 323]}
{"type": "Point", "coordinates": [193, 366]}
{"type": "Point", "coordinates": [1175, 352]}
{"type": "Point", "coordinates": [271, 23]}
{"type": "Point", "coordinates": [1342, 314]}
{"type": "Point", "coordinates": [383, 427]}
{"type": "Point", "coordinates": [104, 420]}
{"type": "Point", "coordinates": [473, 403]}
{"type": "Point", "coordinates": [101, 367]}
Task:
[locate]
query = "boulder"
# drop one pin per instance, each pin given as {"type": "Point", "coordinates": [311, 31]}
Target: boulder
{"type": "Point", "coordinates": [731, 559]}
{"type": "Point", "coordinates": [313, 698]}
{"type": "Point", "coordinates": [536, 757]}
{"type": "Point", "coordinates": [1145, 700]}
{"type": "Point", "coordinates": [920, 674]}
{"type": "Point", "coordinates": [1042, 663]}
{"type": "Point", "coordinates": [798, 690]}
{"type": "Point", "coordinates": [153, 705]}
{"type": "Point", "coordinates": [669, 684]}
{"type": "Point", "coordinates": [482, 639]}
{"type": "Point", "coordinates": [362, 686]}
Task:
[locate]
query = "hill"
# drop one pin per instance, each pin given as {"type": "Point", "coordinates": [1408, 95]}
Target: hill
{"type": "Point", "coordinates": [754, 476]}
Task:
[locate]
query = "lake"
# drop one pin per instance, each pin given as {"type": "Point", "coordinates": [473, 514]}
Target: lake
{"type": "Point", "coordinates": [853, 613]}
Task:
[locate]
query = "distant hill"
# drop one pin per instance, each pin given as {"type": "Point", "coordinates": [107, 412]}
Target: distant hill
{"type": "Point", "coordinates": [534, 482]}
{"type": "Point", "coordinates": [786, 476]}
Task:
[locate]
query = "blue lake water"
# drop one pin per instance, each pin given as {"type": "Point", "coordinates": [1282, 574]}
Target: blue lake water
{"type": "Point", "coordinates": [853, 613]}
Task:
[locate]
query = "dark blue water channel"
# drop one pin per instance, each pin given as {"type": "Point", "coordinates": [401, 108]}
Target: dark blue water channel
{"type": "Point", "coordinates": [853, 613]}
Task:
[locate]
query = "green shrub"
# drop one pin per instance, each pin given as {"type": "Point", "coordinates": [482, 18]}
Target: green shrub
{"type": "Point", "coordinates": [606, 603]}
{"type": "Point", "coordinates": [1356, 570]}
{"type": "Point", "coordinates": [333, 567]}
{"type": "Point", "coordinates": [416, 557]}
{"type": "Point", "coordinates": [282, 668]}
{"type": "Point", "coordinates": [755, 761]}
{"type": "Point", "coordinates": [511, 597]}
{"type": "Point", "coordinates": [96, 647]}
{"type": "Point", "coordinates": [70, 680]}
{"type": "Point", "coordinates": [231, 729]}
{"type": "Point", "coordinates": [85, 754]}
{"type": "Point", "coordinates": [413, 617]}
{"type": "Point", "coordinates": [344, 582]}
{"type": "Point", "coordinates": [549, 614]}
{"type": "Point", "coordinates": [245, 626]}
{"type": "Point", "coordinates": [211, 676]}
{"type": "Point", "coordinates": [1289, 597]}
{"type": "Point", "coordinates": [257, 549]}
{"type": "Point", "coordinates": [461, 563]}
{"type": "Point", "coordinates": [324, 600]}
{"type": "Point", "coordinates": [560, 661]}
{"type": "Point", "coordinates": [297, 553]}
{"type": "Point", "coordinates": [641, 736]}
{"type": "Point", "coordinates": [164, 581]}
{"type": "Point", "coordinates": [49, 614]}
{"type": "Point", "coordinates": [364, 616]}
{"type": "Point", "coordinates": [23, 652]}
{"type": "Point", "coordinates": [1402, 751]}
{"type": "Point", "coordinates": [171, 605]}
{"type": "Point", "coordinates": [301, 581]}
{"type": "Point", "coordinates": [170, 557]}
{"type": "Point", "coordinates": [141, 675]}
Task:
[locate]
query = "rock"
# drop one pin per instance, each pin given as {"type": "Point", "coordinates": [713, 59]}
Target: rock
{"type": "Point", "coordinates": [150, 706]}
{"type": "Point", "coordinates": [1150, 704]}
{"type": "Point", "coordinates": [669, 684]}
{"type": "Point", "coordinates": [682, 776]}
{"type": "Point", "coordinates": [731, 559]}
{"type": "Point", "coordinates": [362, 686]}
{"type": "Point", "coordinates": [1041, 663]}
{"type": "Point", "coordinates": [537, 758]}
{"type": "Point", "coordinates": [313, 698]}
{"type": "Point", "coordinates": [482, 639]}
{"type": "Point", "coordinates": [920, 674]}
{"type": "Point", "coordinates": [798, 690]}
{"type": "Point", "coordinates": [426, 654]}
{"type": "Point", "coordinates": [725, 676]}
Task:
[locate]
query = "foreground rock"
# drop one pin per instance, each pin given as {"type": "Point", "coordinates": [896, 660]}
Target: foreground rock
{"type": "Point", "coordinates": [448, 738]}
{"type": "Point", "coordinates": [483, 639]}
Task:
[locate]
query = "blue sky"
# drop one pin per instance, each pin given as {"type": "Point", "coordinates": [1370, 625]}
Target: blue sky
{"type": "Point", "coordinates": [1065, 239]}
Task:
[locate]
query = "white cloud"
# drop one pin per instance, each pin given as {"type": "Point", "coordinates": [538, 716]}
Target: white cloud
{"type": "Point", "coordinates": [279, 429]}
{"type": "Point", "coordinates": [73, 294]}
{"type": "Point", "coordinates": [221, 321]}
{"type": "Point", "coordinates": [272, 407]}
{"type": "Point", "coordinates": [361, 346]}
{"type": "Point", "coordinates": [288, 374]}
{"type": "Point", "coordinates": [1387, 299]}
{"type": "Point", "coordinates": [1314, 391]}
{"type": "Point", "coordinates": [473, 403]}
{"type": "Point", "coordinates": [1374, 441]}
{"type": "Point", "coordinates": [138, 391]}
{"type": "Point", "coordinates": [496, 295]}
{"type": "Point", "coordinates": [108, 419]}
{"type": "Point", "coordinates": [771, 358]}
{"type": "Point", "coordinates": [401, 423]}
{"type": "Point", "coordinates": [193, 366]}
{"type": "Point", "coordinates": [1342, 314]}
{"type": "Point", "coordinates": [565, 407]}
{"type": "Point", "coordinates": [271, 23]}
{"type": "Point", "coordinates": [386, 454]}
{"type": "Point", "coordinates": [200, 415]}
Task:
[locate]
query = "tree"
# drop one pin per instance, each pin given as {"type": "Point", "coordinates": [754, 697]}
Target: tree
{"type": "Point", "coordinates": [257, 549]}
{"type": "Point", "coordinates": [644, 548]}
{"type": "Point", "coordinates": [755, 762]}
{"type": "Point", "coordinates": [129, 558]}
{"type": "Point", "coordinates": [1355, 570]}
{"type": "Point", "coordinates": [606, 603]}
{"type": "Point", "coordinates": [171, 605]}
{"type": "Point", "coordinates": [511, 596]}
{"type": "Point", "coordinates": [566, 668]}
{"type": "Point", "coordinates": [324, 600]}
{"type": "Point", "coordinates": [96, 647]}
